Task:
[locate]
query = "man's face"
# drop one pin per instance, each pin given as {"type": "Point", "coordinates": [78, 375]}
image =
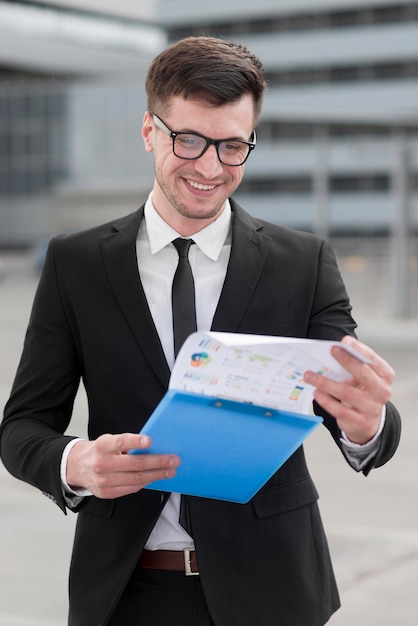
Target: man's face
{"type": "Point", "coordinates": [189, 195]}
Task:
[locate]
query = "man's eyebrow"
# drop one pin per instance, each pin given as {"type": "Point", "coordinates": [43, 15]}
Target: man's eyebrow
{"type": "Point", "coordinates": [196, 132]}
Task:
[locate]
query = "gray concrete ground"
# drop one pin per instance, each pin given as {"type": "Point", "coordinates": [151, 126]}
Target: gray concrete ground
{"type": "Point", "coordinates": [372, 523]}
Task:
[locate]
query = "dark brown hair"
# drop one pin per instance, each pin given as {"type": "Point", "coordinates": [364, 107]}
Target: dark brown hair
{"type": "Point", "coordinates": [208, 69]}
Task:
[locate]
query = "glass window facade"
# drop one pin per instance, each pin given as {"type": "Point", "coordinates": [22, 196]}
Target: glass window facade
{"type": "Point", "coordinates": [33, 153]}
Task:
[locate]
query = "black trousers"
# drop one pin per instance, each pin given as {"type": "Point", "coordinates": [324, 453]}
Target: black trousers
{"type": "Point", "coordinates": [159, 598]}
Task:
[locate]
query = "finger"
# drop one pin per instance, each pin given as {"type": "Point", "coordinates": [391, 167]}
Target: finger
{"type": "Point", "coordinates": [137, 482]}
{"type": "Point", "coordinates": [364, 378]}
{"type": "Point", "coordinates": [122, 443]}
{"type": "Point", "coordinates": [363, 391]}
{"type": "Point", "coordinates": [345, 395]}
{"type": "Point", "coordinates": [139, 477]}
{"type": "Point", "coordinates": [359, 427]}
{"type": "Point", "coordinates": [120, 484]}
{"type": "Point", "coordinates": [118, 463]}
{"type": "Point", "coordinates": [110, 456]}
{"type": "Point", "coordinates": [378, 364]}
{"type": "Point", "coordinates": [135, 463]}
{"type": "Point", "coordinates": [128, 473]}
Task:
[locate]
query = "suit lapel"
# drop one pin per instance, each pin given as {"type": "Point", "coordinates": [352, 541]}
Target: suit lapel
{"type": "Point", "coordinates": [248, 254]}
{"type": "Point", "coordinates": [120, 261]}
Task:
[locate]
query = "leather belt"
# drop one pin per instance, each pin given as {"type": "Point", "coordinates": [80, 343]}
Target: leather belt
{"type": "Point", "coordinates": [171, 560]}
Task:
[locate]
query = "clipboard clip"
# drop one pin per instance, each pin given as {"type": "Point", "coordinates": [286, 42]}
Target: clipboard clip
{"type": "Point", "coordinates": [218, 404]}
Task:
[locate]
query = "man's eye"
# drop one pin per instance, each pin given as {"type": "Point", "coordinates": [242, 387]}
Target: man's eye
{"type": "Point", "coordinates": [189, 141]}
{"type": "Point", "coordinates": [233, 146]}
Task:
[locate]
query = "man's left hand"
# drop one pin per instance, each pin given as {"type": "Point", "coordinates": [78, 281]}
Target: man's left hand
{"type": "Point", "coordinates": [356, 403]}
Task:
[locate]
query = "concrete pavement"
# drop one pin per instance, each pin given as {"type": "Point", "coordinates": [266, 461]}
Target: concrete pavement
{"type": "Point", "coordinates": [372, 523]}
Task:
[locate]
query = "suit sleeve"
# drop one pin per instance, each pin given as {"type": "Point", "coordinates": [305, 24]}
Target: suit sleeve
{"type": "Point", "coordinates": [39, 409]}
{"type": "Point", "coordinates": [331, 319]}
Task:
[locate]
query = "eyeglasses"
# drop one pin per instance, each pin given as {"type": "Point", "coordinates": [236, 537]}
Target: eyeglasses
{"type": "Point", "coordinates": [192, 146]}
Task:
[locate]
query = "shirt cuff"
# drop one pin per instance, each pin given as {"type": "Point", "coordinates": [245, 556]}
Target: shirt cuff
{"type": "Point", "coordinates": [360, 454]}
{"type": "Point", "coordinates": [72, 497]}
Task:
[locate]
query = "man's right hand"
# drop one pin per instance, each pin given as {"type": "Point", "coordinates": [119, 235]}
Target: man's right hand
{"type": "Point", "coordinates": [105, 468]}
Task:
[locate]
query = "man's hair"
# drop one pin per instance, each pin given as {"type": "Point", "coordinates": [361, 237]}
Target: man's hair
{"type": "Point", "coordinates": [207, 69]}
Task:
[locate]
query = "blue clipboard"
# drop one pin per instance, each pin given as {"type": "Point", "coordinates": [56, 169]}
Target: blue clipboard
{"type": "Point", "coordinates": [228, 449]}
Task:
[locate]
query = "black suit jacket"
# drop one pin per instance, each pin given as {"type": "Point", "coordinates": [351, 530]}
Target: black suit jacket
{"type": "Point", "coordinates": [265, 562]}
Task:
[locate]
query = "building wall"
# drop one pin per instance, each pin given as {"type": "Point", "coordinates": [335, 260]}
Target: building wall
{"type": "Point", "coordinates": [71, 107]}
{"type": "Point", "coordinates": [144, 9]}
{"type": "Point", "coordinates": [184, 12]}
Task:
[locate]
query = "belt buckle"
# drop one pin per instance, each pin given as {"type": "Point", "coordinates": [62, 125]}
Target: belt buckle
{"type": "Point", "coordinates": [188, 563]}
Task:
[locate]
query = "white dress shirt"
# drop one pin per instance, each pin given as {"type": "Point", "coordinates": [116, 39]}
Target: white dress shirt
{"type": "Point", "coordinates": [157, 263]}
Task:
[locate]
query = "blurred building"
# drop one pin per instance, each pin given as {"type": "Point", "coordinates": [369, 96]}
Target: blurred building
{"type": "Point", "coordinates": [71, 107]}
{"type": "Point", "coordinates": [337, 143]}
{"type": "Point", "coordinates": [338, 140]}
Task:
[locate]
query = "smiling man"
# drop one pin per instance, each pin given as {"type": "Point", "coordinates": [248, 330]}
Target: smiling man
{"type": "Point", "coordinates": [104, 314]}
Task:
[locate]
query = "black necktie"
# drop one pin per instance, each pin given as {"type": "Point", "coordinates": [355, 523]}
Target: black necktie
{"type": "Point", "coordinates": [184, 323]}
{"type": "Point", "coordinates": [183, 296]}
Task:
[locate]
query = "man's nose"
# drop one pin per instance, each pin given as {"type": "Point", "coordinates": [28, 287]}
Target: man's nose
{"type": "Point", "coordinates": [209, 164]}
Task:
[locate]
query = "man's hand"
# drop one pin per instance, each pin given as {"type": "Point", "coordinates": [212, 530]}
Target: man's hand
{"type": "Point", "coordinates": [358, 402]}
{"type": "Point", "coordinates": [104, 468]}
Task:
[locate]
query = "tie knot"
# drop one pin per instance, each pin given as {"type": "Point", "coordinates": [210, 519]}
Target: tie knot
{"type": "Point", "coordinates": [182, 246]}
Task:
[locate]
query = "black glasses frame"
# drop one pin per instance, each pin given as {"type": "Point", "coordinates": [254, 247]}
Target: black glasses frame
{"type": "Point", "coordinates": [209, 142]}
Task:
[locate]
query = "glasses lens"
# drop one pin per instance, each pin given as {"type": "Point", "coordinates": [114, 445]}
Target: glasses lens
{"type": "Point", "coordinates": [233, 152]}
{"type": "Point", "coordinates": [188, 146]}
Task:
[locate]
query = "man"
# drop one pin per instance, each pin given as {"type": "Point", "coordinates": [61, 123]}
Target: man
{"type": "Point", "coordinates": [103, 313]}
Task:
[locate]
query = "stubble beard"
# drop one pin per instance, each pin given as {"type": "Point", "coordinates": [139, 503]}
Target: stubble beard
{"type": "Point", "coordinates": [207, 213]}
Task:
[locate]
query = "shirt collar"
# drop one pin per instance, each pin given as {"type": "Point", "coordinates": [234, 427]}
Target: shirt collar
{"type": "Point", "coordinates": [210, 239]}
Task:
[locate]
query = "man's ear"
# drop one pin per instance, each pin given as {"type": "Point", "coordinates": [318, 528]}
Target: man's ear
{"type": "Point", "coordinates": [148, 132]}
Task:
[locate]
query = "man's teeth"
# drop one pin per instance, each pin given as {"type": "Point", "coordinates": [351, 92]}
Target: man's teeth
{"type": "Point", "coordinates": [200, 186]}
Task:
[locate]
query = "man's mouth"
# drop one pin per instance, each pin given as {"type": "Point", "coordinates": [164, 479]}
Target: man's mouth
{"type": "Point", "coordinates": [200, 186]}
